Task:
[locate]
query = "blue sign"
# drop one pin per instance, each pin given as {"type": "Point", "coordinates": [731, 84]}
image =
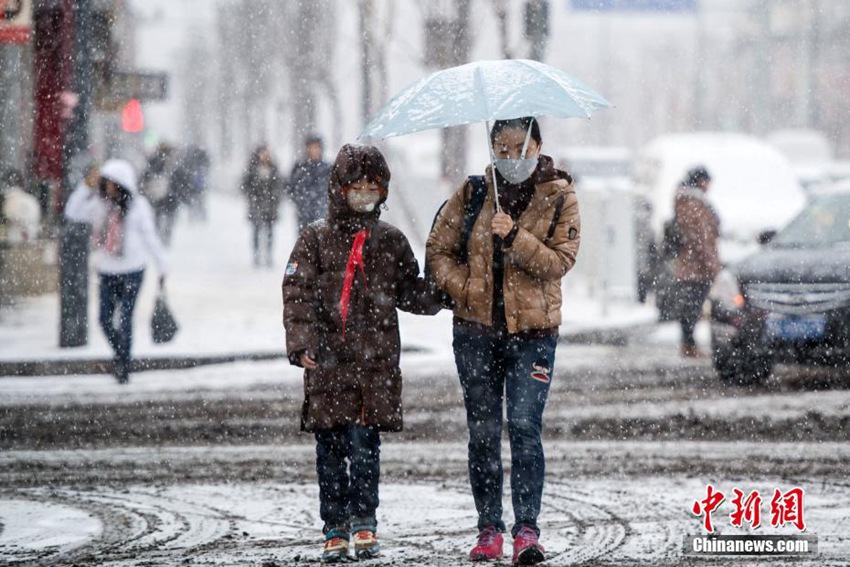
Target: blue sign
{"type": "Point", "coordinates": [635, 5]}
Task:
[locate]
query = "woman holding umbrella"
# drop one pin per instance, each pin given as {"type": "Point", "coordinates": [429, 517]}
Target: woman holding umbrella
{"type": "Point", "coordinates": [507, 297]}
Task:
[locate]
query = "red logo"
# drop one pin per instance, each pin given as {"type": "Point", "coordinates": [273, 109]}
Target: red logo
{"type": "Point", "coordinates": [785, 508]}
{"type": "Point", "coordinates": [540, 373]}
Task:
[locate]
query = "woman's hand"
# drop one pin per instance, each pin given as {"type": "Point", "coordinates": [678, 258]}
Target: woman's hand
{"type": "Point", "coordinates": [307, 361]}
{"type": "Point", "coordinates": [502, 224]}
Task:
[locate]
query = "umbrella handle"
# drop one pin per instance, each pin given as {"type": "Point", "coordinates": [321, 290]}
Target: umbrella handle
{"type": "Point", "coordinates": [493, 166]}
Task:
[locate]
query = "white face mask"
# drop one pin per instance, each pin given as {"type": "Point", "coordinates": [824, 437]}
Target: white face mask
{"type": "Point", "coordinates": [516, 170]}
{"type": "Point", "coordinates": [363, 201]}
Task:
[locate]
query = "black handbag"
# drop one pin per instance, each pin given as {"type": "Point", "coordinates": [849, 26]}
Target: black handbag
{"type": "Point", "coordinates": [163, 324]}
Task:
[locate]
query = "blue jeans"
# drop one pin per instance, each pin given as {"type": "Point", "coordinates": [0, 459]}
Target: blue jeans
{"type": "Point", "coordinates": [518, 370]}
{"type": "Point", "coordinates": [118, 292]}
{"type": "Point", "coordinates": [348, 491]}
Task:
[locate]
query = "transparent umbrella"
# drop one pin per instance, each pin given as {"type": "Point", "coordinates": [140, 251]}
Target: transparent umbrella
{"type": "Point", "coordinates": [480, 92]}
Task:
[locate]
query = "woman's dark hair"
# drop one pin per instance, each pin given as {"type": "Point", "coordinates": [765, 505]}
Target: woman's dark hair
{"type": "Point", "coordinates": [521, 123]}
{"type": "Point", "coordinates": [124, 196]}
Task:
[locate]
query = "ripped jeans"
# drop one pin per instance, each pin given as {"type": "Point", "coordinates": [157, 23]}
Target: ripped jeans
{"type": "Point", "coordinates": [518, 370]}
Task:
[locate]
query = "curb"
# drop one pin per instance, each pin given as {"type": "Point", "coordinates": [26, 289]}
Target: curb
{"type": "Point", "coordinates": [80, 366]}
{"type": "Point", "coordinates": [65, 367]}
{"type": "Point", "coordinates": [615, 336]}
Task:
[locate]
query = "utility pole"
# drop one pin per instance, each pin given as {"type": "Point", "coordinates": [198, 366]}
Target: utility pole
{"type": "Point", "coordinates": [813, 67]}
{"type": "Point", "coordinates": [501, 9]}
{"type": "Point", "coordinates": [74, 244]}
{"type": "Point", "coordinates": [448, 44]}
{"type": "Point", "coordinates": [761, 101]}
{"type": "Point", "coordinates": [77, 130]}
{"type": "Point", "coordinates": [536, 17]}
{"type": "Point", "coordinates": [367, 50]}
{"type": "Point", "coordinates": [304, 70]}
{"type": "Point", "coordinates": [10, 95]}
{"type": "Point", "coordinates": [700, 66]}
{"type": "Point", "coordinates": [15, 32]}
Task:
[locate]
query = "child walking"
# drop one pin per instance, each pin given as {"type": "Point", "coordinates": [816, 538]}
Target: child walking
{"type": "Point", "coordinates": [345, 279]}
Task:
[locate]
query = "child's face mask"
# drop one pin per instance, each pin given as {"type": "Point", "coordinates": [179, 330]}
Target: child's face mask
{"type": "Point", "coordinates": [363, 196]}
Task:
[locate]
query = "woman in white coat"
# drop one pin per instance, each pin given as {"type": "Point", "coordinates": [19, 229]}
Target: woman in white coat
{"type": "Point", "coordinates": [124, 235]}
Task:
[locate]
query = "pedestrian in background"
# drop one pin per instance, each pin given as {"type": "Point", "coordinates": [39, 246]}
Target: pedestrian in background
{"type": "Point", "coordinates": [308, 184]}
{"type": "Point", "coordinates": [505, 281]}
{"type": "Point", "coordinates": [124, 236]}
{"type": "Point", "coordinates": [697, 261]}
{"type": "Point", "coordinates": [197, 165]}
{"type": "Point", "coordinates": [345, 279]}
{"type": "Point", "coordinates": [262, 187]}
{"type": "Point", "coordinates": [156, 186]}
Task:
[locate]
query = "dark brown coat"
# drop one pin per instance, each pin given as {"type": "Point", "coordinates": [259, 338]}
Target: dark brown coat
{"type": "Point", "coordinates": [358, 378]}
{"type": "Point", "coordinates": [263, 193]}
{"type": "Point", "coordinates": [698, 230]}
{"type": "Point", "coordinates": [533, 265]}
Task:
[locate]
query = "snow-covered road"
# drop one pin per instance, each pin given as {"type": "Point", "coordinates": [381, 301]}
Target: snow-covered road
{"type": "Point", "coordinates": [427, 516]}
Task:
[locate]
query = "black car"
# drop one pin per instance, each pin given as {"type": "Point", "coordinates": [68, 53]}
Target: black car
{"type": "Point", "coordinates": [790, 301]}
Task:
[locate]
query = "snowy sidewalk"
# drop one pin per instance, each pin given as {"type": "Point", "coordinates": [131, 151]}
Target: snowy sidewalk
{"type": "Point", "coordinates": [228, 310]}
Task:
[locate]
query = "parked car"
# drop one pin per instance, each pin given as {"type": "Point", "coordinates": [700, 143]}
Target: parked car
{"type": "Point", "coordinates": [747, 174]}
{"type": "Point", "coordinates": [790, 301]}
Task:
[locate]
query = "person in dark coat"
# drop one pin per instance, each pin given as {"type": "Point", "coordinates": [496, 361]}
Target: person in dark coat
{"type": "Point", "coordinates": [697, 261]}
{"type": "Point", "coordinates": [308, 184]}
{"type": "Point", "coordinates": [262, 187]}
{"type": "Point", "coordinates": [157, 185]}
{"type": "Point", "coordinates": [345, 279]}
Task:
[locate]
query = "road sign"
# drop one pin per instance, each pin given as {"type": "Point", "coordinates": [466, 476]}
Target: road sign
{"type": "Point", "coordinates": [113, 94]}
{"type": "Point", "coordinates": [635, 5]}
{"type": "Point", "coordinates": [15, 21]}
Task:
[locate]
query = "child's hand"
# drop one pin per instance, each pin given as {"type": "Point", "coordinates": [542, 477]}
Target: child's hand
{"type": "Point", "coordinates": [307, 361]}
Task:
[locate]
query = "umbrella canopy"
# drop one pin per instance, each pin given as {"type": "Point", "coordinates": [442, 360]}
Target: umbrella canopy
{"type": "Point", "coordinates": [484, 91]}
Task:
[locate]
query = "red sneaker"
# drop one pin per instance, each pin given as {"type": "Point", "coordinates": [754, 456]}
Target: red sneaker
{"type": "Point", "coordinates": [489, 546]}
{"type": "Point", "coordinates": [527, 550]}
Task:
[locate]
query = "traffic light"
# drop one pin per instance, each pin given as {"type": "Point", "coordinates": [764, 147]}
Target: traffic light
{"type": "Point", "coordinates": [132, 119]}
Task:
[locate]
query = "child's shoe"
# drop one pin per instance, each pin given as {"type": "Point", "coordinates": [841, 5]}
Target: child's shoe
{"type": "Point", "coordinates": [366, 544]}
{"type": "Point", "coordinates": [489, 545]}
{"type": "Point", "coordinates": [336, 546]}
{"type": "Point", "coordinates": [527, 550]}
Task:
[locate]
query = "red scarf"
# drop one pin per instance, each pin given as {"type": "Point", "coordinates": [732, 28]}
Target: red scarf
{"type": "Point", "coordinates": [109, 235]}
{"type": "Point", "coordinates": [114, 234]}
{"type": "Point", "coordinates": [355, 260]}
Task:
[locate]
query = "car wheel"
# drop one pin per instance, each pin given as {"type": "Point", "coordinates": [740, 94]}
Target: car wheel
{"type": "Point", "coordinates": [739, 369]}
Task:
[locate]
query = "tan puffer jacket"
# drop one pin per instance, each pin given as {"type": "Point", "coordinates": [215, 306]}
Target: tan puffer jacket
{"type": "Point", "coordinates": [533, 267]}
{"type": "Point", "coordinates": [699, 231]}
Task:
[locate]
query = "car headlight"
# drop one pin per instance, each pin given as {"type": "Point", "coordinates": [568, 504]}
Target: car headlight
{"type": "Point", "coordinates": [726, 292]}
